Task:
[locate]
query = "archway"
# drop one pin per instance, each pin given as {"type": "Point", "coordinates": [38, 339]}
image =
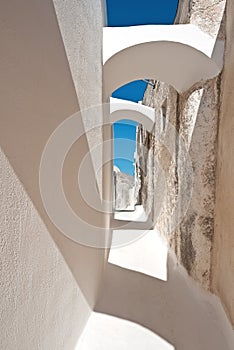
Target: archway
{"type": "Point", "coordinates": [179, 55]}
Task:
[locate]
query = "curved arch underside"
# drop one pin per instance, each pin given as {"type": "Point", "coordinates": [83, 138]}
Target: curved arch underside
{"type": "Point", "coordinates": [179, 55]}
{"type": "Point", "coordinates": [132, 111]}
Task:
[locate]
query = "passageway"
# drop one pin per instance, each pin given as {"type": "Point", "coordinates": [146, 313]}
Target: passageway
{"type": "Point", "coordinates": [183, 316]}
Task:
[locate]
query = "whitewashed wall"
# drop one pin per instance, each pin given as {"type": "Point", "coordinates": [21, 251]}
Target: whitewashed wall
{"type": "Point", "coordinates": [41, 305]}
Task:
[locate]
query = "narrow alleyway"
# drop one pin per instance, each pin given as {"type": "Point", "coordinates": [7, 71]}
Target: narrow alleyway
{"type": "Point", "coordinates": [137, 311]}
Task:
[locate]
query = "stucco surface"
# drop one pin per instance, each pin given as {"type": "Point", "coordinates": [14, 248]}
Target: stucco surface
{"type": "Point", "coordinates": [223, 254]}
{"type": "Point", "coordinates": [41, 304]}
{"type": "Point", "coordinates": [81, 24]}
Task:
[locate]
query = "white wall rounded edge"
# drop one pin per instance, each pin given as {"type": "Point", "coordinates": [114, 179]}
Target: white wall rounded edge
{"type": "Point", "coordinates": [123, 109]}
{"type": "Point", "coordinates": [116, 39]}
{"type": "Point", "coordinates": [179, 55]}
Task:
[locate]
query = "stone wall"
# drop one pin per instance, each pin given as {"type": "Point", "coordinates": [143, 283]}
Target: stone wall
{"type": "Point", "coordinates": [198, 126]}
{"type": "Point", "coordinates": [187, 121]}
{"type": "Point", "coordinates": [123, 191]}
{"type": "Point", "coordinates": [223, 249]}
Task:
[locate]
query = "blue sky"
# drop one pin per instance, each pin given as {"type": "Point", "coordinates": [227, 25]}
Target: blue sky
{"type": "Point", "coordinates": [136, 12]}
{"type": "Point", "coordinates": [129, 13]}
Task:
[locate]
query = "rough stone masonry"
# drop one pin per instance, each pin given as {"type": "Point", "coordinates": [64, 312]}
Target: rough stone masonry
{"type": "Point", "coordinates": [194, 115]}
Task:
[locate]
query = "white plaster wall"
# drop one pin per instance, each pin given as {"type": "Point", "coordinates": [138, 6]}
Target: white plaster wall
{"type": "Point", "coordinates": [41, 305]}
{"type": "Point", "coordinates": [81, 24]}
{"type": "Point", "coordinates": [196, 55]}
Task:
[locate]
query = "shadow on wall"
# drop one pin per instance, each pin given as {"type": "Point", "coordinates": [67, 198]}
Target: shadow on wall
{"type": "Point", "coordinates": [176, 310]}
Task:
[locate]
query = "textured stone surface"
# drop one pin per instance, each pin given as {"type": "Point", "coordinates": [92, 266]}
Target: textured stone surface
{"type": "Point", "coordinates": [194, 116]}
{"type": "Point", "coordinates": [155, 161]}
{"type": "Point", "coordinates": [123, 191]}
{"type": "Point", "coordinates": [207, 15]}
{"type": "Point", "coordinates": [195, 235]}
{"type": "Point", "coordinates": [223, 249]}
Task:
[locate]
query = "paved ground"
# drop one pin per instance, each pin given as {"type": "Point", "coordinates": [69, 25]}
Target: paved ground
{"type": "Point", "coordinates": [138, 311]}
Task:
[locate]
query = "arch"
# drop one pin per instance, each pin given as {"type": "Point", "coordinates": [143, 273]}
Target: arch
{"type": "Point", "coordinates": [133, 111]}
{"type": "Point", "coordinates": [179, 55]}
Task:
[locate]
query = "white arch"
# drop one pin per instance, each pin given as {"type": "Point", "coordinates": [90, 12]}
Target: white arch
{"type": "Point", "coordinates": [122, 109]}
{"type": "Point", "coordinates": [180, 55]}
